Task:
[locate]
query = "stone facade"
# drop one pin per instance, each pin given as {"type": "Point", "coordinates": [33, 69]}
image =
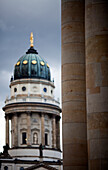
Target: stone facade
{"type": "Point", "coordinates": [85, 84]}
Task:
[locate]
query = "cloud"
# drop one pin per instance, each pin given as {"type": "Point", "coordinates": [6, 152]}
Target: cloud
{"type": "Point", "coordinates": [3, 26]}
{"type": "Point", "coordinates": [4, 84]}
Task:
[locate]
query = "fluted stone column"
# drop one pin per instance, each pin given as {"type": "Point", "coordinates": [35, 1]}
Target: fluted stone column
{"type": "Point", "coordinates": [58, 133]}
{"type": "Point", "coordinates": [7, 129]}
{"type": "Point", "coordinates": [15, 130]}
{"type": "Point", "coordinates": [73, 85]}
{"type": "Point", "coordinates": [96, 28]}
{"type": "Point", "coordinates": [28, 128]}
{"type": "Point", "coordinates": [54, 132]}
{"type": "Point", "coordinates": [42, 130]}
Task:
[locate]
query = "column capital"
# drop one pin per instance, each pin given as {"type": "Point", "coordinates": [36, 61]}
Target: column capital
{"type": "Point", "coordinates": [15, 114]}
{"type": "Point", "coordinates": [53, 116]}
{"type": "Point", "coordinates": [42, 114]}
{"type": "Point", "coordinates": [28, 112]}
{"type": "Point", "coordinates": [6, 116]}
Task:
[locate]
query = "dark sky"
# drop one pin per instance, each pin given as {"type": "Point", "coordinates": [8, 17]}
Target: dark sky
{"type": "Point", "coordinates": [18, 18]}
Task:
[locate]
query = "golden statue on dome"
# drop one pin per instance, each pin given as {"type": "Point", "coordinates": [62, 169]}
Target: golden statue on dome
{"type": "Point", "coordinates": [31, 39]}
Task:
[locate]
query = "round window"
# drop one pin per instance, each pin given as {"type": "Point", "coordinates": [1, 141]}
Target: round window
{"type": "Point", "coordinates": [45, 89]}
{"type": "Point", "coordinates": [23, 88]}
{"type": "Point", "coordinates": [15, 89]}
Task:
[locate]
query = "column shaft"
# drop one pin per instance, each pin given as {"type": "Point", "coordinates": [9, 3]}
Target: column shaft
{"type": "Point", "coordinates": [15, 130]}
{"type": "Point", "coordinates": [7, 129]}
{"type": "Point", "coordinates": [73, 85]}
{"type": "Point", "coordinates": [96, 29]}
{"type": "Point", "coordinates": [58, 134]}
{"type": "Point", "coordinates": [42, 130]}
{"type": "Point", "coordinates": [28, 129]}
{"type": "Point", "coordinates": [54, 132]}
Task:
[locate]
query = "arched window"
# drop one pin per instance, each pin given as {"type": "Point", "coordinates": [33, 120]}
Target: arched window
{"type": "Point", "coordinates": [5, 168]}
{"type": "Point", "coordinates": [24, 139]}
{"type": "Point", "coordinates": [35, 138]}
{"type": "Point", "coordinates": [46, 138]}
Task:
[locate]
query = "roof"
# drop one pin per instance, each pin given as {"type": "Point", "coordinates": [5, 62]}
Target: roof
{"type": "Point", "coordinates": [32, 65]}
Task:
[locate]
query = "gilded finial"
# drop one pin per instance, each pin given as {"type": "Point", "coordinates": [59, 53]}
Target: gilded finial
{"type": "Point", "coordinates": [31, 39]}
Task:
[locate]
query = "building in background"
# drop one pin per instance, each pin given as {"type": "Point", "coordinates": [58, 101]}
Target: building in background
{"type": "Point", "coordinates": [34, 116]}
{"type": "Point", "coordinates": [85, 84]}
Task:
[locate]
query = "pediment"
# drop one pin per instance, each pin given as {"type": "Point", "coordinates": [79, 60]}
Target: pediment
{"type": "Point", "coordinates": [40, 166]}
{"type": "Point", "coordinates": [35, 129]}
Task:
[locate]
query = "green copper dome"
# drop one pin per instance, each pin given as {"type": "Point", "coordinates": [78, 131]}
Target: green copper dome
{"type": "Point", "coordinates": [31, 65]}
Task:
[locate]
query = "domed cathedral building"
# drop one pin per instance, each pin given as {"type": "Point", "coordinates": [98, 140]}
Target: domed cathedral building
{"type": "Point", "coordinates": [34, 115]}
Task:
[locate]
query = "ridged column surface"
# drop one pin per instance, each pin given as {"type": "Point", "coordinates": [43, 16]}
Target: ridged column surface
{"type": "Point", "coordinates": [7, 129]}
{"type": "Point", "coordinates": [58, 133]}
{"type": "Point", "coordinates": [54, 132]}
{"type": "Point", "coordinates": [28, 129]}
{"type": "Point", "coordinates": [96, 28]}
{"type": "Point", "coordinates": [15, 130]}
{"type": "Point", "coordinates": [42, 130]}
{"type": "Point", "coordinates": [73, 86]}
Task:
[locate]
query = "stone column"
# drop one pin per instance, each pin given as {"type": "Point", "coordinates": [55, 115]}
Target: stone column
{"type": "Point", "coordinates": [42, 130]}
{"type": "Point", "coordinates": [7, 129]}
{"type": "Point", "coordinates": [54, 132]}
{"type": "Point", "coordinates": [96, 28]}
{"type": "Point", "coordinates": [12, 131]}
{"type": "Point", "coordinates": [58, 133]}
{"type": "Point", "coordinates": [73, 85]}
{"type": "Point", "coordinates": [28, 128]}
{"type": "Point", "coordinates": [15, 130]}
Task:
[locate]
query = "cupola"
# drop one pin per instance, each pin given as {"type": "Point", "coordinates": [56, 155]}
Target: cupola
{"type": "Point", "coordinates": [32, 65]}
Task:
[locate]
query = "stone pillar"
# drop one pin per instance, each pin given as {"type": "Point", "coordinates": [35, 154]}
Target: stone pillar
{"type": "Point", "coordinates": [28, 128]}
{"type": "Point", "coordinates": [15, 130]}
{"type": "Point", "coordinates": [58, 133]}
{"type": "Point", "coordinates": [96, 29]}
{"type": "Point", "coordinates": [12, 131]}
{"type": "Point", "coordinates": [7, 129]}
{"type": "Point", "coordinates": [73, 85]}
{"type": "Point", "coordinates": [54, 131]}
{"type": "Point", "coordinates": [42, 130]}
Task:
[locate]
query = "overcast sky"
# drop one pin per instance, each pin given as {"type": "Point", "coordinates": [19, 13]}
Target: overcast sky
{"type": "Point", "coordinates": [18, 18]}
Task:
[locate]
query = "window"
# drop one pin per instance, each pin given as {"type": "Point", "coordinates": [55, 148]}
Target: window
{"type": "Point", "coordinates": [24, 139]}
{"type": "Point", "coordinates": [21, 168]}
{"type": "Point", "coordinates": [15, 89]}
{"type": "Point", "coordinates": [23, 88]}
{"type": "Point", "coordinates": [5, 168]}
{"type": "Point", "coordinates": [46, 139]}
{"type": "Point", "coordinates": [35, 138]}
{"type": "Point", "coordinates": [45, 89]}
